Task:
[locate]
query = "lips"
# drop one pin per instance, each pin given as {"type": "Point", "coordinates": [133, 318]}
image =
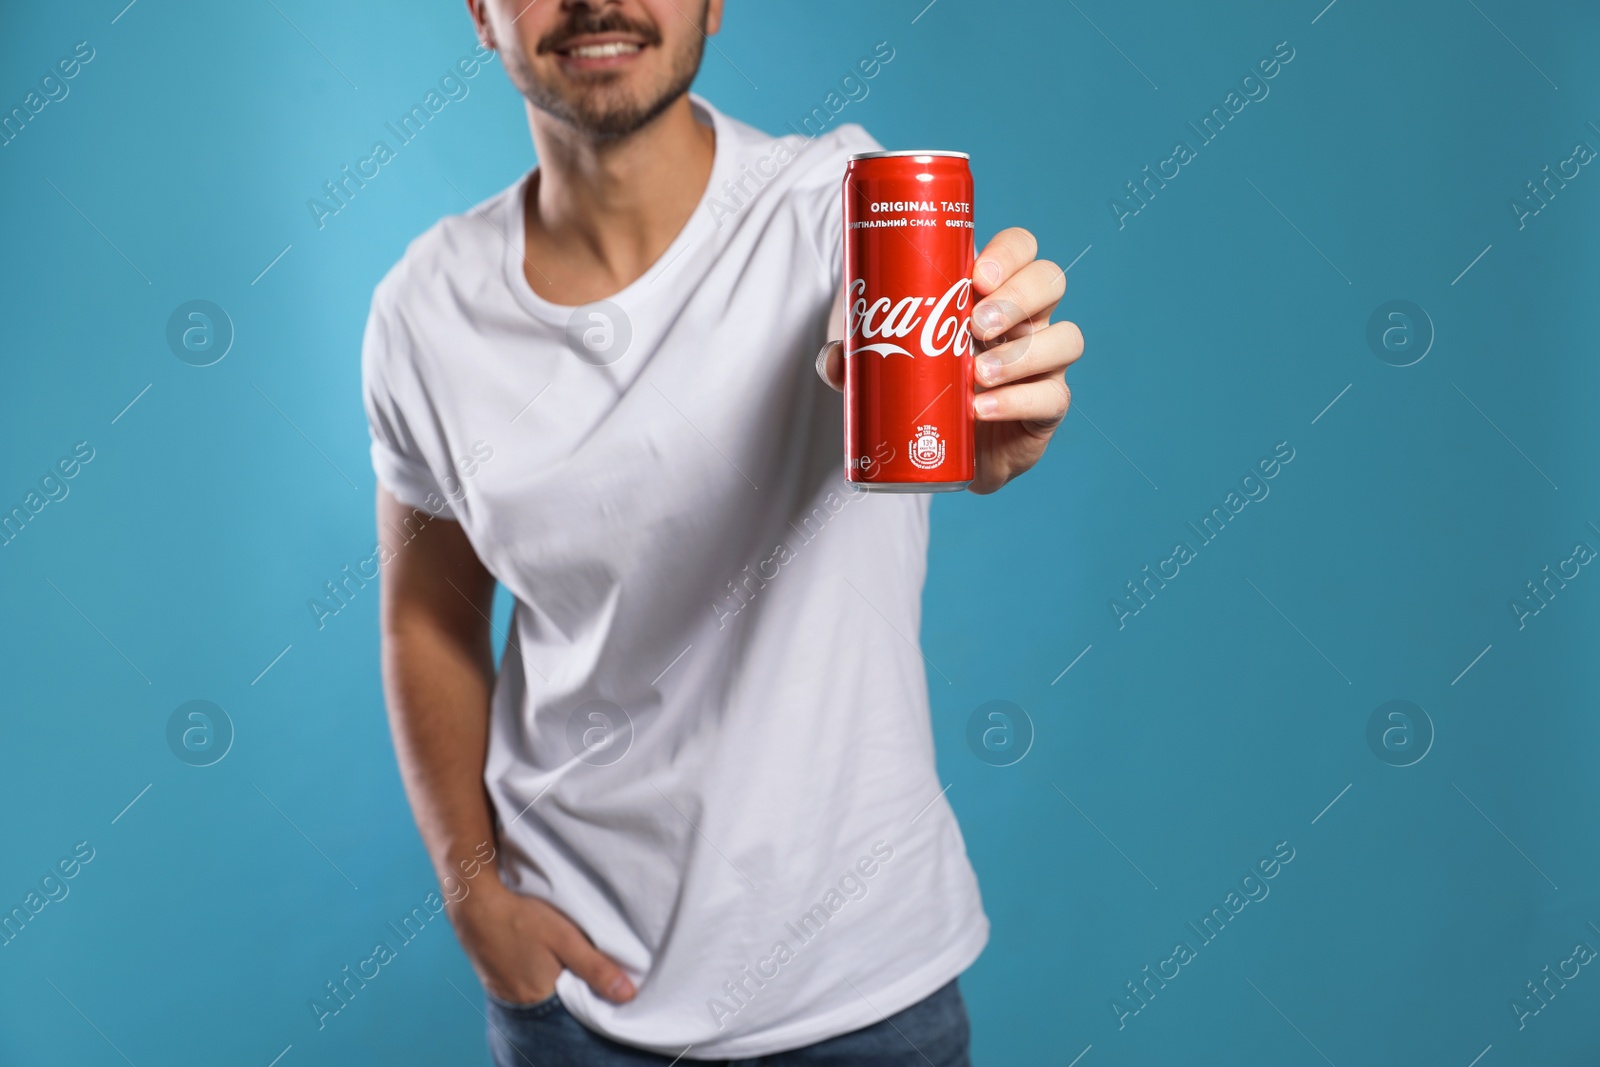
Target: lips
{"type": "Point", "coordinates": [602, 51]}
{"type": "Point", "coordinates": [599, 51]}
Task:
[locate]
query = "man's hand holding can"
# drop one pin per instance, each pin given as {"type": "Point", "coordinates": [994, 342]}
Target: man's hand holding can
{"type": "Point", "coordinates": [927, 411]}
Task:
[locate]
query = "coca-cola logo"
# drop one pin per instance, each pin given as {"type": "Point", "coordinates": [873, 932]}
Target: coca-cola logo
{"type": "Point", "coordinates": [884, 321]}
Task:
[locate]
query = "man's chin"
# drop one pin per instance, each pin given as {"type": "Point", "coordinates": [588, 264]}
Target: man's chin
{"type": "Point", "coordinates": [609, 118]}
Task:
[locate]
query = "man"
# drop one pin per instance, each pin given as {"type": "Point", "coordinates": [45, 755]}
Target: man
{"type": "Point", "coordinates": [705, 766]}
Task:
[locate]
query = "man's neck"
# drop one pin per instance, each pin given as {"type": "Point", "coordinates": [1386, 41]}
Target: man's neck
{"type": "Point", "coordinates": [599, 213]}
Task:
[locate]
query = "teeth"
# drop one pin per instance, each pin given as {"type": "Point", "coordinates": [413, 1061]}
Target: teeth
{"type": "Point", "coordinates": [605, 51]}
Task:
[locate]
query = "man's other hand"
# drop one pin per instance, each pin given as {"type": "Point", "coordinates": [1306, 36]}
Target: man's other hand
{"type": "Point", "coordinates": [519, 946]}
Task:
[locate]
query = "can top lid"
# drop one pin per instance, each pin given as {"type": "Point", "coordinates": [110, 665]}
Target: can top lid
{"type": "Point", "coordinates": [912, 152]}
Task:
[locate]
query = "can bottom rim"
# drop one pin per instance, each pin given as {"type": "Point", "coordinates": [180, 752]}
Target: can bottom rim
{"type": "Point", "coordinates": [911, 487]}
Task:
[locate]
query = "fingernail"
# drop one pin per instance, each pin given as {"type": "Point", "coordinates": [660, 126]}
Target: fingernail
{"type": "Point", "coordinates": [620, 989]}
{"type": "Point", "coordinates": [989, 367]}
{"type": "Point", "coordinates": [989, 271]}
{"type": "Point", "coordinates": [985, 404]}
{"type": "Point", "coordinates": [989, 317]}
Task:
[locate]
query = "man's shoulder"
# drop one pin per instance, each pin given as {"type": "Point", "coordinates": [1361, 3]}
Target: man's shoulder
{"type": "Point", "coordinates": [826, 155]}
{"type": "Point", "coordinates": [795, 175]}
{"type": "Point", "coordinates": [452, 248]}
{"type": "Point", "coordinates": [806, 160]}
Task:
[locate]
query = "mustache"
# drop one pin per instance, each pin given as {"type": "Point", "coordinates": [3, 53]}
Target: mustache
{"type": "Point", "coordinates": [585, 22]}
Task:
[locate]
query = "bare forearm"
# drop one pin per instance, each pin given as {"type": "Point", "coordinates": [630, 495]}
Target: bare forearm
{"type": "Point", "coordinates": [438, 689]}
{"type": "Point", "coordinates": [438, 674]}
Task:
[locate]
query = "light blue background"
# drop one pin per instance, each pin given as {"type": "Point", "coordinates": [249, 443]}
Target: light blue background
{"type": "Point", "coordinates": [1190, 742]}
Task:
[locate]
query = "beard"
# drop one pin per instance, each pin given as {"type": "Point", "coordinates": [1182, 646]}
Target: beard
{"type": "Point", "coordinates": [602, 104]}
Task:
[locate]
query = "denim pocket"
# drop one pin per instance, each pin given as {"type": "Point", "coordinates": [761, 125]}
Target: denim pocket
{"type": "Point", "coordinates": [534, 1010]}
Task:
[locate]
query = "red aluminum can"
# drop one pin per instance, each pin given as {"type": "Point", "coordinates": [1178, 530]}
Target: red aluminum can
{"type": "Point", "coordinates": [908, 251]}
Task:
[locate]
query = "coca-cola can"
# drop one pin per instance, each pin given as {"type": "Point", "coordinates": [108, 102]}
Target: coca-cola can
{"type": "Point", "coordinates": [908, 251]}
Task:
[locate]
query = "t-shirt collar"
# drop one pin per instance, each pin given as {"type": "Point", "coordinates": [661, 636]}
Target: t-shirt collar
{"type": "Point", "coordinates": [693, 233]}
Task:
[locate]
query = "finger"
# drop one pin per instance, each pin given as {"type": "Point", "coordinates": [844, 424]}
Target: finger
{"type": "Point", "coordinates": [836, 315]}
{"type": "Point", "coordinates": [1023, 329]}
{"type": "Point", "coordinates": [1044, 351]}
{"type": "Point", "coordinates": [596, 969]}
{"type": "Point", "coordinates": [1002, 257]}
{"type": "Point", "coordinates": [830, 364]}
{"type": "Point", "coordinates": [1031, 291]}
{"type": "Point", "coordinates": [1041, 403]}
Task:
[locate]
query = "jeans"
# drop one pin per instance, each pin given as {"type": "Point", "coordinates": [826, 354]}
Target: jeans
{"type": "Point", "coordinates": [932, 1031]}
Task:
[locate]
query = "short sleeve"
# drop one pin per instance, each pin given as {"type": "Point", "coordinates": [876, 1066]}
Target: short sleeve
{"type": "Point", "coordinates": [396, 458]}
{"type": "Point", "coordinates": [821, 188]}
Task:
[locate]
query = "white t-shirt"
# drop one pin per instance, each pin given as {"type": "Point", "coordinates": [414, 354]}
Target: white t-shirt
{"type": "Point", "coordinates": [710, 741]}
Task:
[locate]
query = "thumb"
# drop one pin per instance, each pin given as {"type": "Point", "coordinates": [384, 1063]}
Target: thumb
{"type": "Point", "coordinates": [830, 364]}
{"type": "Point", "coordinates": [595, 968]}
